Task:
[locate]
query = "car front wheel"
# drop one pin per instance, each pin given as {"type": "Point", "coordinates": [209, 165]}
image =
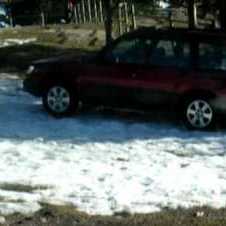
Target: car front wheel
{"type": "Point", "coordinates": [199, 114]}
{"type": "Point", "coordinates": [59, 100]}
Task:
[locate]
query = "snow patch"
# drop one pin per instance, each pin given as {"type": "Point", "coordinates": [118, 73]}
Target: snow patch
{"type": "Point", "coordinates": [14, 41]}
{"type": "Point", "coordinates": [101, 164]}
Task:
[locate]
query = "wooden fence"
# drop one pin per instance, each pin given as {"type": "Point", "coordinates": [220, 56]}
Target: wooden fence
{"type": "Point", "coordinates": [91, 11]}
{"type": "Point", "coordinates": [79, 12]}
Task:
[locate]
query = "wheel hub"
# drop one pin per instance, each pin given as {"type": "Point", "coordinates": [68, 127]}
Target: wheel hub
{"type": "Point", "coordinates": [199, 114]}
{"type": "Point", "coordinates": [58, 99]}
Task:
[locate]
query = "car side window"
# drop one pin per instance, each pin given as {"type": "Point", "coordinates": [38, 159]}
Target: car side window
{"type": "Point", "coordinates": [170, 53]}
{"type": "Point", "coordinates": [131, 51]}
{"type": "Point", "coordinates": [212, 56]}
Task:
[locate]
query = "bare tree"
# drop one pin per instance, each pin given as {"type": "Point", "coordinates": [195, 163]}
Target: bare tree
{"type": "Point", "coordinates": [192, 14]}
{"type": "Point", "coordinates": [221, 5]}
{"type": "Point", "coordinates": [109, 8]}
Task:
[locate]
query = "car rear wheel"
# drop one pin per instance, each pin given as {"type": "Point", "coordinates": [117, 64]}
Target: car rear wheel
{"type": "Point", "coordinates": [59, 100]}
{"type": "Point", "coordinates": [199, 114]}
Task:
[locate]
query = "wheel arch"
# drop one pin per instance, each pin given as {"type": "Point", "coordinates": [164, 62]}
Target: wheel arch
{"type": "Point", "coordinates": [58, 81]}
{"type": "Point", "coordinates": [194, 94]}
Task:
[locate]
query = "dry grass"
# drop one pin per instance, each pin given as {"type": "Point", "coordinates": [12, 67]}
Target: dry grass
{"type": "Point", "coordinates": [51, 41]}
{"type": "Point", "coordinates": [68, 216]}
{"type": "Point", "coordinates": [21, 187]}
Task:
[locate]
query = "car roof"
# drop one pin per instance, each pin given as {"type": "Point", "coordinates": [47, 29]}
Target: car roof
{"type": "Point", "coordinates": [178, 33]}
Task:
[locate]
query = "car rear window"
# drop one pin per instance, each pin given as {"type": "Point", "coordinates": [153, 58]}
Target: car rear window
{"type": "Point", "coordinates": [212, 56]}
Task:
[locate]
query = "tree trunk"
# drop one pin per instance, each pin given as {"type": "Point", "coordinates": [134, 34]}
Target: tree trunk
{"type": "Point", "coordinates": [192, 14]}
{"type": "Point", "coordinates": [222, 16]}
{"type": "Point", "coordinates": [108, 21]}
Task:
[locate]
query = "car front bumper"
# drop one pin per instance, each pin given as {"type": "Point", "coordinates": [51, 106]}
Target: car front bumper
{"type": "Point", "coordinates": [33, 87]}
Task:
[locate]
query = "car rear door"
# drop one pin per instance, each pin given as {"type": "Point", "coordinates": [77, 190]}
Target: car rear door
{"type": "Point", "coordinates": [167, 68]}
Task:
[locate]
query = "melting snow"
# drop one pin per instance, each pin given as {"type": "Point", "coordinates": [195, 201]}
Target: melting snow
{"type": "Point", "coordinates": [103, 164]}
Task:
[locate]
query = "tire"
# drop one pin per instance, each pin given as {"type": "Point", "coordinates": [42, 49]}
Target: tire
{"type": "Point", "coordinates": [59, 100]}
{"type": "Point", "coordinates": [199, 114]}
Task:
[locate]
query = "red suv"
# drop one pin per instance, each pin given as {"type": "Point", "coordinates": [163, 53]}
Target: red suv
{"type": "Point", "coordinates": [179, 70]}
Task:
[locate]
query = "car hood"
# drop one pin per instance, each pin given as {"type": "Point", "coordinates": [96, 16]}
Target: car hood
{"type": "Point", "coordinates": [68, 58]}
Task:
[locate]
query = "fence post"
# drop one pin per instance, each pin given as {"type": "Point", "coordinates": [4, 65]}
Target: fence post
{"type": "Point", "coordinates": [43, 23]}
{"type": "Point", "coordinates": [79, 12]}
{"type": "Point", "coordinates": [120, 18]}
{"type": "Point", "coordinates": [75, 15]}
{"type": "Point", "coordinates": [83, 11]}
{"type": "Point", "coordinates": [126, 16]}
{"type": "Point", "coordinates": [134, 23]}
{"type": "Point", "coordinates": [95, 11]}
{"type": "Point", "coordinates": [101, 11]}
{"type": "Point", "coordinates": [89, 10]}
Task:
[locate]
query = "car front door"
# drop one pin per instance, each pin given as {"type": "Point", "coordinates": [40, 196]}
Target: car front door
{"type": "Point", "coordinates": [111, 80]}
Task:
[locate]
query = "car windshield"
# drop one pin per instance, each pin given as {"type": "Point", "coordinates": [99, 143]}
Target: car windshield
{"type": "Point", "coordinates": [129, 51]}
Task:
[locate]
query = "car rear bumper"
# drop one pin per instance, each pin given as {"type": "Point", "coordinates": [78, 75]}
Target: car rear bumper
{"type": "Point", "coordinates": [220, 103]}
